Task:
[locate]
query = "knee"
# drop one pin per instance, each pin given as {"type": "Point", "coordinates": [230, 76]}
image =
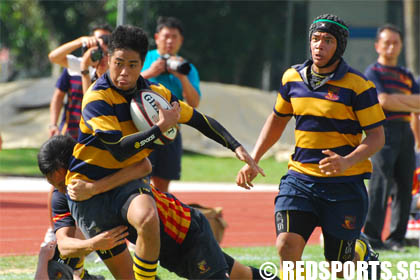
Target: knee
{"type": "Point", "coordinates": [283, 245]}
{"type": "Point", "coordinates": [145, 221]}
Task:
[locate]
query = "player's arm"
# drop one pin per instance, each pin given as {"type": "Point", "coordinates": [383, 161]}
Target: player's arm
{"type": "Point", "coordinates": [81, 190]}
{"type": "Point", "coordinates": [400, 102]}
{"type": "Point", "coordinates": [270, 133]}
{"type": "Point", "coordinates": [189, 93]}
{"type": "Point", "coordinates": [215, 131]}
{"type": "Point", "coordinates": [59, 55]}
{"type": "Point", "coordinates": [71, 247]}
{"type": "Point", "coordinates": [129, 145]}
{"type": "Point", "coordinates": [46, 253]}
{"type": "Point", "coordinates": [55, 108]}
{"type": "Point", "coordinates": [415, 127]}
{"type": "Point", "coordinates": [335, 164]}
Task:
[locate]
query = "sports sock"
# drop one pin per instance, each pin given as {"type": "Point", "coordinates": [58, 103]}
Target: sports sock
{"type": "Point", "coordinates": [144, 270]}
{"type": "Point", "coordinates": [360, 249]}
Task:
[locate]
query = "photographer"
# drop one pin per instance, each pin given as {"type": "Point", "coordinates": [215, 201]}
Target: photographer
{"type": "Point", "coordinates": [162, 65]}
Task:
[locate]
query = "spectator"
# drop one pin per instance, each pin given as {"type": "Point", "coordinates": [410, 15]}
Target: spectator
{"type": "Point", "coordinates": [393, 165]}
{"type": "Point", "coordinates": [169, 37]}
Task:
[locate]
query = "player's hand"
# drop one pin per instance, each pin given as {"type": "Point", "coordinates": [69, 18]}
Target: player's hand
{"type": "Point", "coordinates": [249, 171]}
{"type": "Point", "coordinates": [80, 190]}
{"type": "Point", "coordinates": [333, 164]}
{"type": "Point", "coordinates": [110, 238]}
{"type": "Point", "coordinates": [157, 67]}
{"type": "Point", "coordinates": [54, 130]}
{"type": "Point", "coordinates": [168, 118]}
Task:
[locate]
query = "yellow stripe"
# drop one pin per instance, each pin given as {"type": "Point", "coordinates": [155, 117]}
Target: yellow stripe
{"type": "Point", "coordinates": [324, 108]}
{"type": "Point", "coordinates": [208, 123]}
{"type": "Point", "coordinates": [312, 169]}
{"type": "Point", "coordinates": [339, 251]}
{"type": "Point", "coordinates": [143, 273]}
{"type": "Point", "coordinates": [325, 140]}
{"type": "Point", "coordinates": [287, 219]}
{"type": "Point", "coordinates": [291, 75]}
{"type": "Point", "coordinates": [282, 106]}
{"type": "Point", "coordinates": [370, 115]}
{"type": "Point", "coordinates": [143, 264]}
{"type": "Point", "coordinates": [354, 82]}
{"type": "Point", "coordinates": [186, 112]}
{"type": "Point", "coordinates": [80, 263]}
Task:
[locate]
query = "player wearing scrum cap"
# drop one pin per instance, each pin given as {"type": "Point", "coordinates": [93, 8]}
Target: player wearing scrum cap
{"type": "Point", "coordinates": [333, 104]}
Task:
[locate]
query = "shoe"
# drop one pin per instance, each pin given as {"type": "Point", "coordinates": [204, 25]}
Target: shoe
{"type": "Point", "coordinates": [395, 246]}
{"type": "Point", "coordinates": [87, 276]}
{"type": "Point", "coordinates": [370, 255]}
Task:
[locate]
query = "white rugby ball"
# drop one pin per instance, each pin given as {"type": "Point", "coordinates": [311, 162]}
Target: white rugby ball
{"type": "Point", "coordinates": [145, 114]}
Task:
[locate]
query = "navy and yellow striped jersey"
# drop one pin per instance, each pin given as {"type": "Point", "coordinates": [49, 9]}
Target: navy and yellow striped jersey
{"type": "Point", "coordinates": [333, 116]}
{"type": "Point", "coordinates": [106, 114]}
{"type": "Point", "coordinates": [388, 79]}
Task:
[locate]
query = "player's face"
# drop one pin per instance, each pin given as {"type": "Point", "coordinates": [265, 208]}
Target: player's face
{"type": "Point", "coordinates": [58, 179]}
{"type": "Point", "coordinates": [323, 46]}
{"type": "Point", "coordinates": [389, 44]}
{"type": "Point", "coordinates": [168, 41]}
{"type": "Point", "coordinates": [124, 68]}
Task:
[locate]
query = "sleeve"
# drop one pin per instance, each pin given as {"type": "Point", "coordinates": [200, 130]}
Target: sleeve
{"type": "Point", "coordinates": [61, 212]}
{"type": "Point", "coordinates": [99, 117]}
{"type": "Point", "coordinates": [373, 76]}
{"type": "Point", "coordinates": [283, 106]}
{"type": "Point", "coordinates": [213, 130]}
{"type": "Point", "coordinates": [194, 79]}
{"type": "Point", "coordinates": [63, 82]}
{"type": "Point", "coordinates": [73, 64]}
{"type": "Point", "coordinates": [367, 108]}
{"type": "Point", "coordinates": [415, 89]}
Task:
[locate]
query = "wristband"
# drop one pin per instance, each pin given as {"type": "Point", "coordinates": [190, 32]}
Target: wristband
{"type": "Point", "coordinates": [85, 72]}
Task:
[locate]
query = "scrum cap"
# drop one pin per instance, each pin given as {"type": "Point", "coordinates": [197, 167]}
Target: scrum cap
{"type": "Point", "coordinates": [336, 27]}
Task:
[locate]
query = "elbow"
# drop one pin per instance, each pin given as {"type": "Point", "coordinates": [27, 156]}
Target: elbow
{"type": "Point", "coordinates": [52, 57]}
{"type": "Point", "coordinates": [64, 253]}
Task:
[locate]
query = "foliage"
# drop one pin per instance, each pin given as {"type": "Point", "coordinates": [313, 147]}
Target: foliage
{"type": "Point", "coordinates": [228, 41]}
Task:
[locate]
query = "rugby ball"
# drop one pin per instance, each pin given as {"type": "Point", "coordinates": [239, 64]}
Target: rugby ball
{"type": "Point", "coordinates": [145, 113]}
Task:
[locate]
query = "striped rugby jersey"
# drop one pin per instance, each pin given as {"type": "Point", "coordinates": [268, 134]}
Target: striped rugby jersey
{"type": "Point", "coordinates": [391, 80]}
{"type": "Point", "coordinates": [332, 116]}
{"type": "Point", "coordinates": [174, 216]}
{"type": "Point", "coordinates": [106, 114]}
{"type": "Point", "coordinates": [72, 86]}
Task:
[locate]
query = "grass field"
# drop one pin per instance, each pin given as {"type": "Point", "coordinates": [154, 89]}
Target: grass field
{"type": "Point", "coordinates": [23, 267]}
{"type": "Point", "coordinates": [195, 167]}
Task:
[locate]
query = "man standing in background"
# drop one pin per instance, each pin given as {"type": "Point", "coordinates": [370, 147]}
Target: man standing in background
{"type": "Point", "coordinates": [393, 165]}
{"type": "Point", "coordinates": [169, 36]}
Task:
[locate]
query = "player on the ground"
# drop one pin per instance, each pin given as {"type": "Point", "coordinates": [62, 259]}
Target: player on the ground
{"type": "Point", "coordinates": [53, 159]}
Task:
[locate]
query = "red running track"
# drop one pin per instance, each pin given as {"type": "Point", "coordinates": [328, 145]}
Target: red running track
{"type": "Point", "coordinates": [24, 219]}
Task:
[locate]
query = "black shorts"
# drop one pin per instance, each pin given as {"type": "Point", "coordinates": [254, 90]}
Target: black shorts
{"type": "Point", "coordinates": [199, 256]}
{"type": "Point", "coordinates": [166, 160]}
{"type": "Point", "coordinates": [304, 223]}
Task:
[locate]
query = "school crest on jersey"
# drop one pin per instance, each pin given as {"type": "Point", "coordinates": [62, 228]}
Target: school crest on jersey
{"type": "Point", "coordinates": [349, 222]}
{"type": "Point", "coordinates": [203, 266]}
{"type": "Point", "coordinates": [332, 93]}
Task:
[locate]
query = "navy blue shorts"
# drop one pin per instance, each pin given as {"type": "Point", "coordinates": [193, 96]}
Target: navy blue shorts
{"type": "Point", "coordinates": [199, 256]}
{"type": "Point", "coordinates": [166, 160]}
{"type": "Point", "coordinates": [104, 211]}
{"type": "Point", "coordinates": [340, 207]}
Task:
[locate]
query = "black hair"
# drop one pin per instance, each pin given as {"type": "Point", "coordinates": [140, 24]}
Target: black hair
{"type": "Point", "coordinates": [169, 22]}
{"type": "Point", "coordinates": [129, 37]}
{"type": "Point", "coordinates": [335, 26]}
{"type": "Point", "coordinates": [100, 26]}
{"type": "Point", "coordinates": [55, 153]}
{"type": "Point", "coordinates": [105, 38]}
{"type": "Point", "coordinates": [388, 26]}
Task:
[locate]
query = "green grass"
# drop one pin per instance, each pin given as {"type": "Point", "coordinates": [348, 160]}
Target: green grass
{"type": "Point", "coordinates": [195, 167]}
{"type": "Point", "coordinates": [23, 267]}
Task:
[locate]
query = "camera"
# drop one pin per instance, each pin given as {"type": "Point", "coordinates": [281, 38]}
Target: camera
{"type": "Point", "coordinates": [182, 67]}
{"type": "Point", "coordinates": [95, 55]}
